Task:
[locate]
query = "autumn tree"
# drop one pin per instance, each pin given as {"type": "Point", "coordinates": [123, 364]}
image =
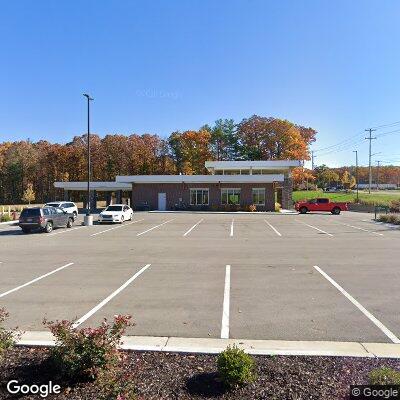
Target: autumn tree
{"type": "Point", "coordinates": [29, 194]}
{"type": "Point", "coordinates": [325, 176]}
{"type": "Point", "coordinates": [302, 176]}
{"type": "Point", "coordinates": [190, 150]}
{"type": "Point", "coordinates": [263, 138]}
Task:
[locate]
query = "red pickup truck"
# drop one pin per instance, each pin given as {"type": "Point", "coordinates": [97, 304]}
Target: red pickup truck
{"type": "Point", "coordinates": [321, 204]}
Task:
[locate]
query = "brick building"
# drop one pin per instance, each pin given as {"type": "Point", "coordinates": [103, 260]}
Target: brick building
{"type": "Point", "coordinates": [227, 184]}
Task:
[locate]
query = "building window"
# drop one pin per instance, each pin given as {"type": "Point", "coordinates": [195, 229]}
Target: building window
{"type": "Point", "coordinates": [259, 196]}
{"type": "Point", "coordinates": [230, 196]}
{"type": "Point", "coordinates": [199, 197]}
{"type": "Point", "coordinates": [244, 172]}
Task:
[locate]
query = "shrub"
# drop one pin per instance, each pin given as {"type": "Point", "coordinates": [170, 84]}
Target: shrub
{"type": "Point", "coordinates": [235, 367]}
{"type": "Point", "coordinates": [395, 206]}
{"type": "Point", "coordinates": [252, 207]}
{"type": "Point", "coordinates": [389, 218]}
{"type": "Point", "coordinates": [7, 339]}
{"type": "Point", "coordinates": [384, 376]}
{"type": "Point", "coordinates": [115, 383]}
{"type": "Point", "coordinates": [83, 353]}
{"type": "Point", "coordinates": [277, 207]}
{"type": "Point", "coordinates": [5, 218]}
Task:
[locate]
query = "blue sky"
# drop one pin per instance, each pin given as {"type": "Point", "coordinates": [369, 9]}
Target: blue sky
{"type": "Point", "coordinates": [159, 66]}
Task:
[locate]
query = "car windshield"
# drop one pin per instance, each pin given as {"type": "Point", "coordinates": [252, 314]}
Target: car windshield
{"type": "Point", "coordinates": [113, 208]}
{"type": "Point", "coordinates": [30, 212]}
{"type": "Point", "coordinates": [53, 205]}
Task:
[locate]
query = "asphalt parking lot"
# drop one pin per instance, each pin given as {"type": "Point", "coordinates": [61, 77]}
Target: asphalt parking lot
{"type": "Point", "coordinates": [247, 276]}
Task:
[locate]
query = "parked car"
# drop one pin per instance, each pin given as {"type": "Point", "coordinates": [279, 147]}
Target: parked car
{"type": "Point", "coordinates": [67, 206]}
{"type": "Point", "coordinates": [116, 213]}
{"type": "Point", "coordinates": [320, 204]}
{"type": "Point", "coordinates": [44, 218]}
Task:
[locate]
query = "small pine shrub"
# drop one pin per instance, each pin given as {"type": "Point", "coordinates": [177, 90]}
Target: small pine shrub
{"type": "Point", "coordinates": [7, 339]}
{"type": "Point", "coordinates": [83, 353]}
{"type": "Point", "coordinates": [235, 367]}
{"type": "Point", "coordinates": [384, 376]}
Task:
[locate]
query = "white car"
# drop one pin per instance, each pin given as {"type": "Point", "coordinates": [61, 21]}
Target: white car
{"type": "Point", "coordinates": [67, 206]}
{"type": "Point", "coordinates": [116, 213]}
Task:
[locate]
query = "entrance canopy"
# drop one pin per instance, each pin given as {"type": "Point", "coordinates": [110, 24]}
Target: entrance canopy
{"type": "Point", "coordinates": [98, 186]}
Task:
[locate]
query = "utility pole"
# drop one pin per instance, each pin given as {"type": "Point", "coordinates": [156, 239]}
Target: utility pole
{"type": "Point", "coordinates": [377, 175]}
{"type": "Point", "coordinates": [355, 151]}
{"type": "Point", "coordinates": [370, 138]}
{"type": "Point", "coordinates": [88, 217]}
{"type": "Point", "coordinates": [312, 160]}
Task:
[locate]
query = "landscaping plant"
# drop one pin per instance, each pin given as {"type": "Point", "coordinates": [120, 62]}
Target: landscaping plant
{"type": "Point", "coordinates": [389, 218]}
{"type": "Point", "coordinates": [235, 367]}
{"type": "Point", "coordinates": [84, 353]}
{"type": "Point", "coordinates": [384, 376]}
{"type": "Point", "coordinates": [7, 339]}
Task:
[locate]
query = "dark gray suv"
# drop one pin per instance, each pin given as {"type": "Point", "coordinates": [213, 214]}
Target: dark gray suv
{"type": "Point", "coordinates": [44, 218]}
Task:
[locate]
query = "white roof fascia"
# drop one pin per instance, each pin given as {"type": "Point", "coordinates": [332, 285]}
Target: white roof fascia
{"type": "Point", "coordinates": [201, 178]}
{"type": "Point", "coordinates": [101, 186]}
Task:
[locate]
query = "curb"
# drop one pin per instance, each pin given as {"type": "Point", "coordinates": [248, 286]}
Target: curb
{"type": "Point", "coordinates": [255, 347]}
{"type": "Point", "coordinates": [9, 223]}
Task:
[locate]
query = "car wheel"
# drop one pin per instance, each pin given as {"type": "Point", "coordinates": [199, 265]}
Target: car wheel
{"type": "Point", "coordinates": [130, 219]}
{"type": "Point", "coordinates": [49, 227]}
{"type": "Point", "coordinates": [336, 211]}
{"type": "Point", "coordinates": [122, 219]}
{"type": "Point", "coordinates": [75, 215]}
{"type": "Point", "coordinates": [26, 230]}
{"type": "Point", "coordinates": [70, 222]}
{"type": "Point", "coordinates": [303, 210]}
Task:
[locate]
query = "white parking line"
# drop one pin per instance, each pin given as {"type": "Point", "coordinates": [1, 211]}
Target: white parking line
{"type": "Point", "coordinates": [110, 297]}
{"type": "Point", "coordinates": [154, 227]}
{"type": "Point", "coordinates": [64, 231]}
{"type": "Point", "coordinates": [35, 280]}
{"type": "Point", "coordinates": [194, 226]}
{"type": "Point", "coordinates": [231, 234]}
{"type": "Point", "coordinates": [361, 229]}
{"type": "Point", "coordinates": [116, 227]}
{"type": "Point", "coordinates": [275, 230]}
{"type": "Point", "coordinates": [225, 309]}
{"type": "Point", "coordinates": [314, 227]}
{"type": "Point", "coordinates": [379, 324]}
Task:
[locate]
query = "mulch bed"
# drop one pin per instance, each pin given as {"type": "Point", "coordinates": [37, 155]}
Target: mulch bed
{"type": "Point", "coordinates": [185, 376]}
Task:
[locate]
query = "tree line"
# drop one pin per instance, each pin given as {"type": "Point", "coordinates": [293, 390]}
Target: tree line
{"type": "Point", "coordinates": [323, 176]}
{"type": "Point", "coordinates": [29, 169]}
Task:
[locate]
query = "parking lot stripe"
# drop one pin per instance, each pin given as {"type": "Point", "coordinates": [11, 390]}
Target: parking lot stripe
{"type": "Point", "coordinates": [116, 227]}
{"type": "Point", "coordinates": [225, 308]}
{"type": "Point", "coordinates": [35, 280]}
{"type": "Point", "coordinates": [374, 320]}
{"type": "Point", "coordinates": [110, 297]}
{"type": "Point", "coordinates": [154, 227]}
{"type": "Point", "coordinates": [66, 230]}
{"type": "Point", "coordinates": [314, 227]}
{"type": "Point", "coordinates": [361, 229]}
{"type": "Point", "coordinates": [273, 228]}
{"type": "Point", "coordinates": [194, 226]}
{"type": "Point", "coordinates": [231, 234]}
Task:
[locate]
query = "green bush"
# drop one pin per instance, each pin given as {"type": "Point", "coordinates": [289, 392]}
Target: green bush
{"type": "Point", "coordinates": [5, 218]}
{"type": "Point", "coordinates": [384, 376]}
{"type": "Point", "coordinates": [83, 353]}
{"type": "Point", "coordinates": [7, 339]}
{"type": "Point", "coordinates": [235, 367]}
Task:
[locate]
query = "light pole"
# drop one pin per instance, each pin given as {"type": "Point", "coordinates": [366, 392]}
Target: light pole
{"type": "Point", "coordinates": [88, 217]}
{"type": "Point", "coordinates": [355, 151]}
